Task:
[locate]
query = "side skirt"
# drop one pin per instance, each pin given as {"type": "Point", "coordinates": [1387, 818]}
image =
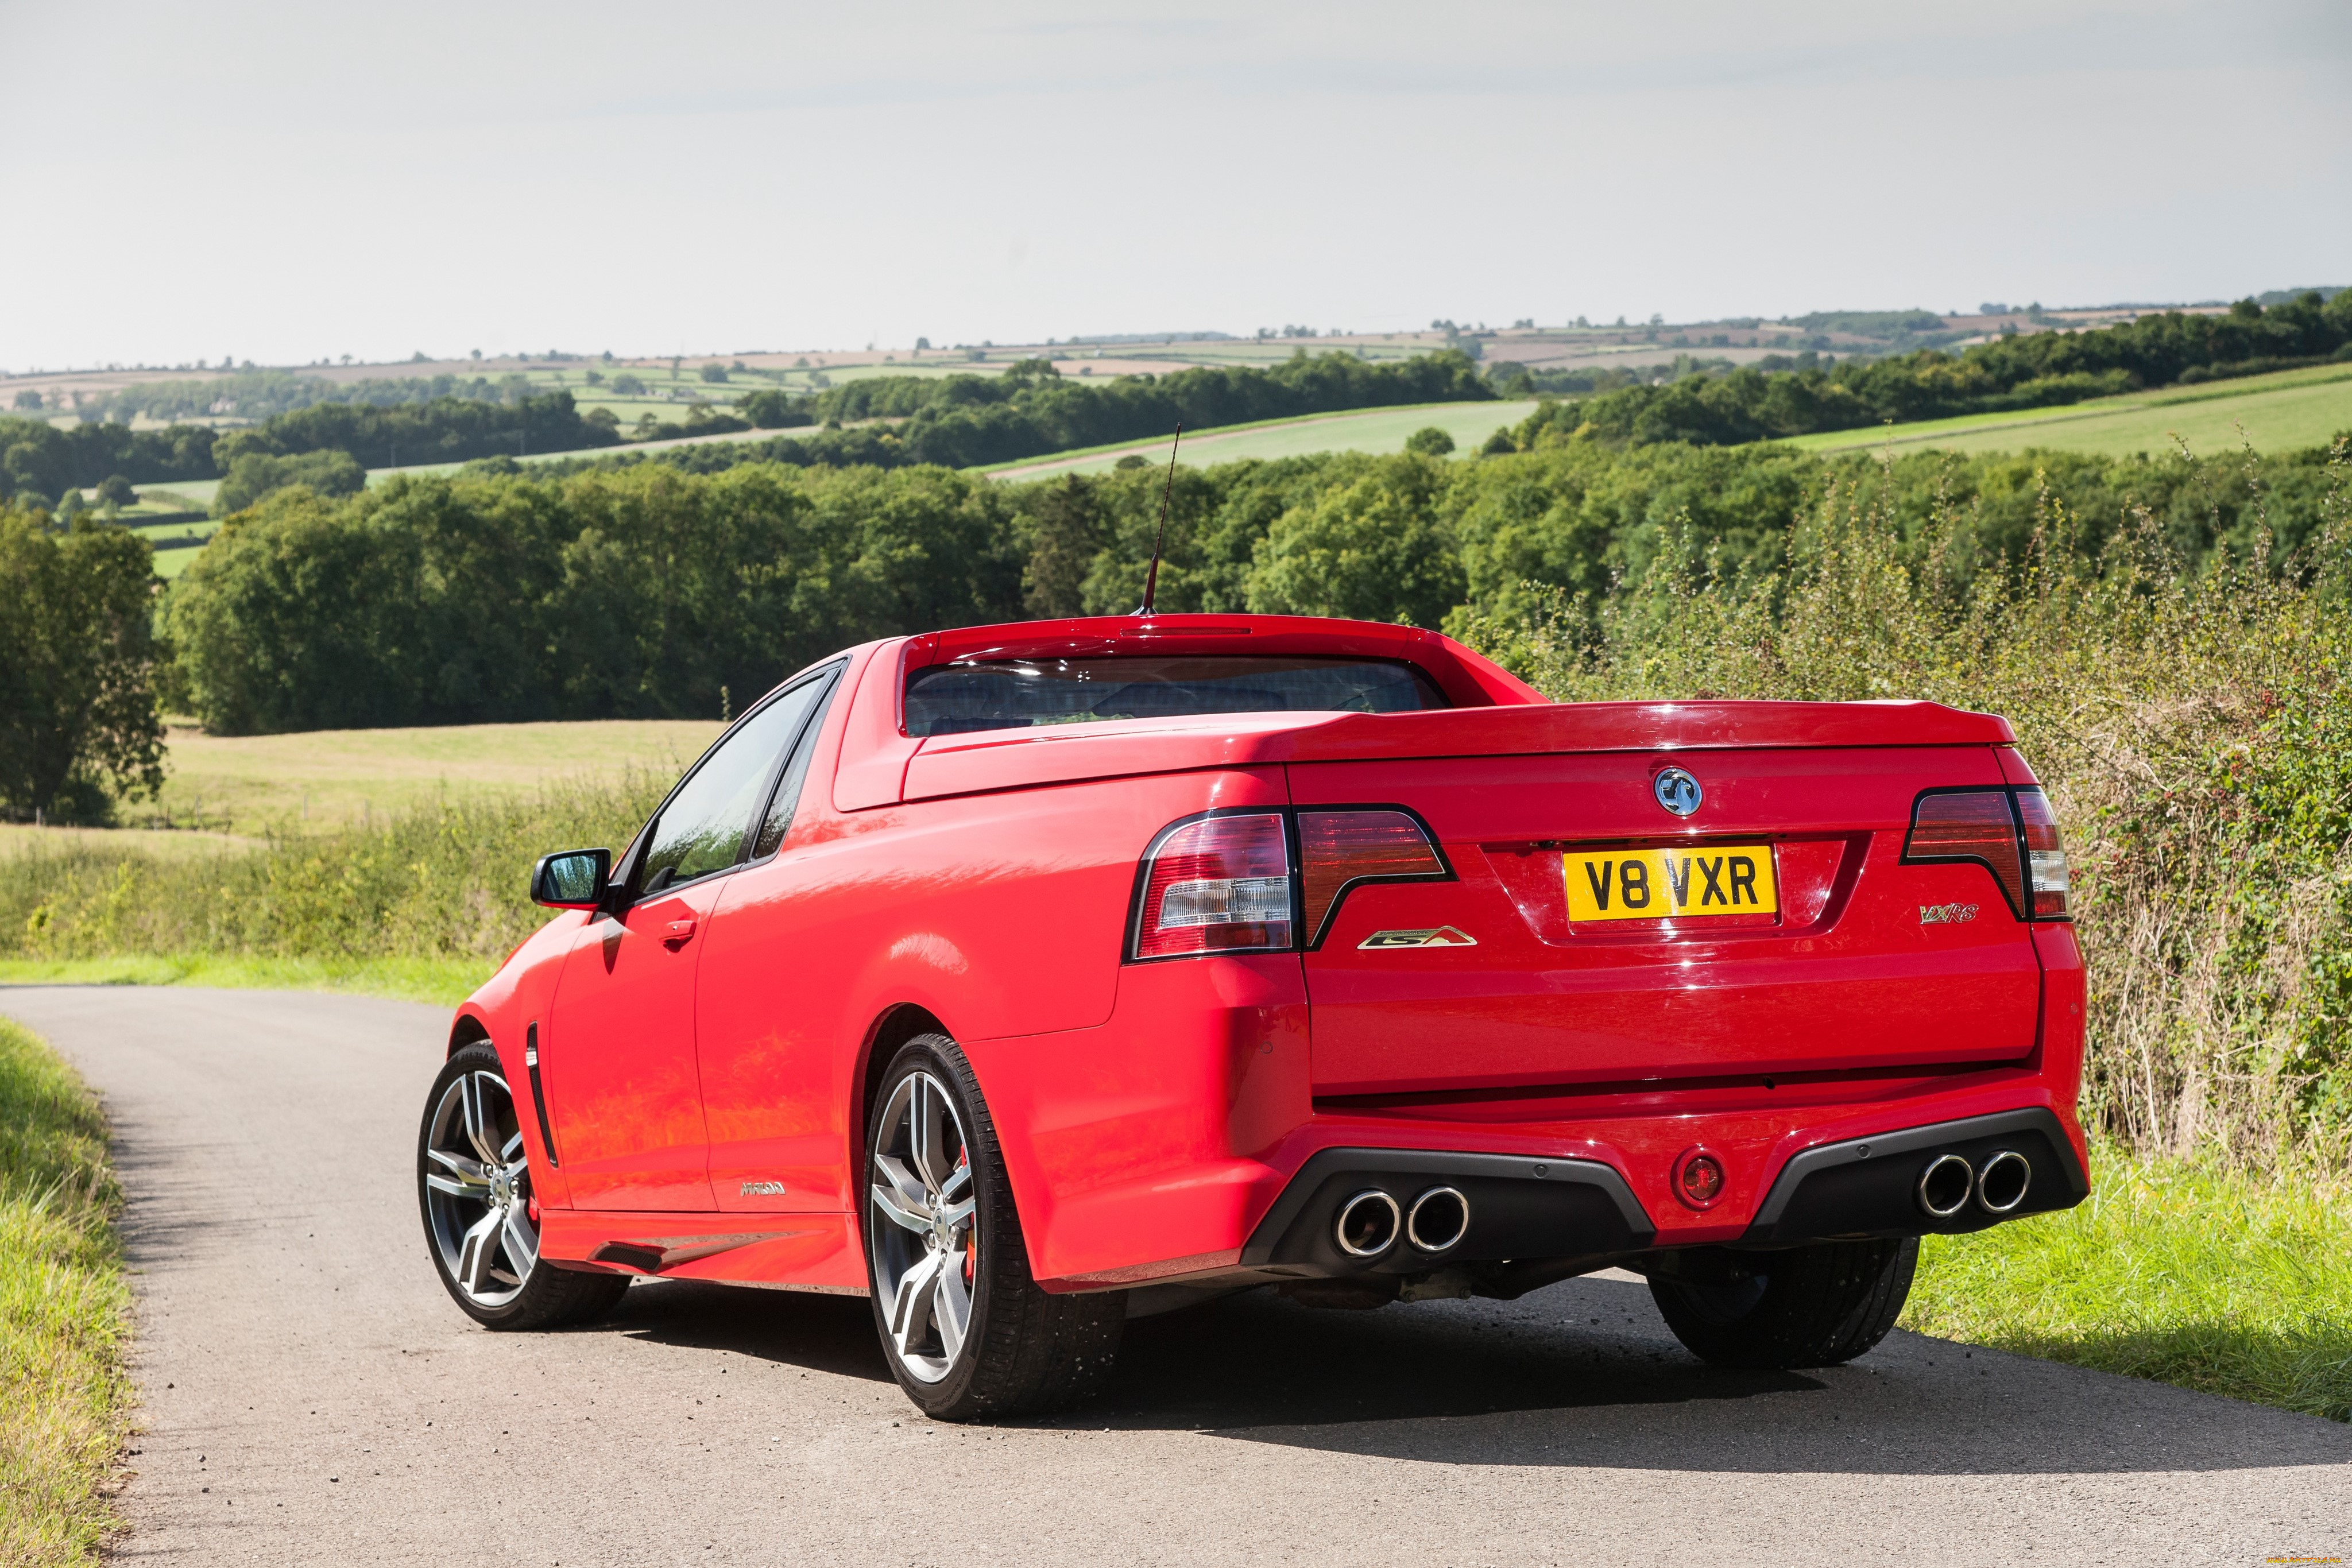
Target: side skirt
{"type": "Point", "coordinates": [804, 1251]}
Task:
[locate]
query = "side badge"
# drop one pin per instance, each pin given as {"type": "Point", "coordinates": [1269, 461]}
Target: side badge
{"type": "Point", "coordinates": [1437, 936]}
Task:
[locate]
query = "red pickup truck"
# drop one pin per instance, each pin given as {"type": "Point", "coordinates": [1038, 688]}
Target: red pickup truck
{"type": "Point", "coordinates": [1032, 978]}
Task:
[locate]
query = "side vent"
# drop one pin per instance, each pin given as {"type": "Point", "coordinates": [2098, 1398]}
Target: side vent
{"type": "Point", "coordinates": [538, 1095]}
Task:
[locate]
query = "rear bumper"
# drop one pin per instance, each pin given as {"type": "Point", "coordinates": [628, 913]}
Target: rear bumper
{"type": "Point", "coordinates": [1523, 1212]}
{"type": "Point", "coordinates": [1182, 1142]}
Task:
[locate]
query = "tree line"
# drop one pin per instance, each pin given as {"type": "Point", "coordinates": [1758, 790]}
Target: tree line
{"type": "Point", "coordinates": [650, 591]}
{"type": "Point", "coordinates": [2029, 370]}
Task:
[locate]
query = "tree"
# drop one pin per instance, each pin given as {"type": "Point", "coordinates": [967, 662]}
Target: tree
{"type": "Point", "coordinates": [29, 399]}
{"type": "Point", "coordinates": [1372, 550]}
{"type": "Point", "coordinates": [76, 668]}
{"type": "Point", "coordinates": [114, 490]}
{"type": "Point", "coordinates": [1430, 441]}
{"type": "Point", "coordinates": [1070, 532]}
{"type": "Point", "coordinates": [252, 474]}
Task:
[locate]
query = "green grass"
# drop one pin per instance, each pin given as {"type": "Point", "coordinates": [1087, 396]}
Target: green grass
{"type": "Point", "coordinates": [64, 1312]}
{"type": "Point", "coordinates": [444, 982]}
{"type": "Point", "coordinates": [324, 780]}
{"type": "Point", "coordinates": [2277, 412]}
{"type": "Point", "coordinates": [2225, 1283]}
{"type": "Point", "coordinates": [1379, 430]}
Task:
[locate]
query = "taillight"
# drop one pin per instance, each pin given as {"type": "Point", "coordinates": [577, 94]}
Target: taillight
{"type": "Point", "coordinates": [1336, 850]}
{"type": "Point", "coordinates": [2010, 832]}
{"type": "Point", "coordinates": [2045, 856]}
{"type": "Point", "coordinates": [1215, 884]}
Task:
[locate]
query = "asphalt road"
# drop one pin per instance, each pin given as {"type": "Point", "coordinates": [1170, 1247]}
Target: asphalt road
{"type": "Point", "coordinates": [312, 1397]}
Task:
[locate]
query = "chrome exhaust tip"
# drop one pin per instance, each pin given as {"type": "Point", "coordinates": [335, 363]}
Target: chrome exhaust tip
{"type": "Point", "coordinates": [1438, 1219]}
{"type": "Point", "coordinates": [2004, 1181]}
{"type": "Point", "coordinates": [1368, 1223]}
{"type": "Point", "coordinates": [1945, 1185]}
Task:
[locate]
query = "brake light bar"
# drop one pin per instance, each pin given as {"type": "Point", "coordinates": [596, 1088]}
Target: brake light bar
{"type": "Point", "coordinates": [2009, 831]}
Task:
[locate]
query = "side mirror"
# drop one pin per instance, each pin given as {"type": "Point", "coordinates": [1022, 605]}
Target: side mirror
{"type": "Point", "coordinates": [571, 879]}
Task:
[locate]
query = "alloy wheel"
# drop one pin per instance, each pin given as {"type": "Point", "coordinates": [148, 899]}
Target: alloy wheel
{"type": "Point", "coordinates": [478, 1190]}
{"type": "Point", "coordinates": [926, 1246]}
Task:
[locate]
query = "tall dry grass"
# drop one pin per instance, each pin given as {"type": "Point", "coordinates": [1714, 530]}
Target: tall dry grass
{"type": "Point", "coordinates": [2192, 724]}
{"type": "Point", "coordinates": [447, 880]}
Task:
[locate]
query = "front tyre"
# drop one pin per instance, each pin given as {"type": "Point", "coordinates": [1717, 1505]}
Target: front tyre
{"type": "Point", "coordinates": [965, 1327]}
{"type": "Point", "coordinates": [1808, 1306]}
{"type": "Point", "coordinates": [481, 1225]}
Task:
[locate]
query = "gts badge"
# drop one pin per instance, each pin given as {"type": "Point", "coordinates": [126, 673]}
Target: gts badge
{"type": "Point", "coordinates": [763, 1189]}
{"type": "Point", "coordinates": [1946, 913]}
{"type": "Point", "coordinates": [1437, 936]}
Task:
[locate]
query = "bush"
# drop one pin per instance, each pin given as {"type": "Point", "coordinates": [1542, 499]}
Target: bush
{"type": "Point", "coordinates": [1430, 441]}
{"type": "Point", "coordinates": [2190, 716]}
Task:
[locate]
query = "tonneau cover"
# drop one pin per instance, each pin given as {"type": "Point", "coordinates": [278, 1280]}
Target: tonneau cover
{"type": "Point", "coordinates": [1009, 759]}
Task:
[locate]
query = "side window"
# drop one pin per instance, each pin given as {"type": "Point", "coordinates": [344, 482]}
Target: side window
{"type": "Point", "coordinates": [778, 819]}
{"type": "Point", "coordinates": [701, 829]}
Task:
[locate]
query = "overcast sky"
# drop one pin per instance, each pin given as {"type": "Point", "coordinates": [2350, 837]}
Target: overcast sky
{"type": "Point", "coordinates": [286, 181]}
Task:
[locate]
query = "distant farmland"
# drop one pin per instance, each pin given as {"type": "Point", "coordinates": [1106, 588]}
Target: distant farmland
{"type": "Point", "coordinates": [1376, 430]}
{"type": "Point", "coordinates": [2281, 413]}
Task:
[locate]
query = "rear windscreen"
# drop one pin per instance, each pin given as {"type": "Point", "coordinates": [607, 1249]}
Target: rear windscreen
{"type": "Point", "coordinates": [1018, 693]}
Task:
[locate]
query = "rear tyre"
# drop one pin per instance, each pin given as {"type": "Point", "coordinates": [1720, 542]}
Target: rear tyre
{"type": "Point", "coordinates": [966, 1329]}
{"type": "Point", "coordinates": [1808, 1306]}
{"type": "Point", "coordinates": [473, 1186]}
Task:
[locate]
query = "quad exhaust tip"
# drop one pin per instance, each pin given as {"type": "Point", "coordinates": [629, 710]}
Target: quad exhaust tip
{"type": "Point", "coordinates": [1368, 1223]}
{"type": "Point", "coordinates": [1946, 1185]}
{"type": "Point", "coordinates": [1998, 1185]}
{"type": "Point", "coordinates": [1438, 1219]}
{"type": "Point", "coordinates": [2002, 1182]}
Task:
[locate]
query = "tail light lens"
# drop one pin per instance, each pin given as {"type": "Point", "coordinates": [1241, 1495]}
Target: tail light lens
{"type": "Point", "coordinates": [1215, 884]}
{"type": "Point", "coordinates": [2011, 832]}
{"type": "Point", "coordinates": [2045, 856]}
{"type": "Point", "coordinates": [1336, 850]}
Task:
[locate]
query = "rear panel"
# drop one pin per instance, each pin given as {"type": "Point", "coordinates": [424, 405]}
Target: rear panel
{"type": "Point", "coordinates": [1867, 964]}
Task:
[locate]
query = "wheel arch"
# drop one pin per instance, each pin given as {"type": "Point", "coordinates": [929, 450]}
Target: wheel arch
{"type": "Point", "coordinates": [893, 1027]}
{"type": "Point", "coordinates": [468, 1029]}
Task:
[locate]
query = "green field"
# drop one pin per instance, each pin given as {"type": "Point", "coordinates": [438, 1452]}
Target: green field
{"type": "Point", "coordinates": [2280, 413]}
{"type": "Point", "coordinates": [248, 786]}
{"type": "Point", "coordinates": [1379, 430]}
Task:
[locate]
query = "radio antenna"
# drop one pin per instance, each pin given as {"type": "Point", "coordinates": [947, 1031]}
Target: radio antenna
{"type": "Point", "coordinates": [1151, 578]}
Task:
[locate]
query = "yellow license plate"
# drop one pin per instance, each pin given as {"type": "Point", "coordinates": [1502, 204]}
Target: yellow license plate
{"type": "Point", "coordinates": [1671, 884]}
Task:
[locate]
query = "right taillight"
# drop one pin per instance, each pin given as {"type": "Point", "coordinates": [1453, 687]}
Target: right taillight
{"type": "Point", "coordinates": [2045, 856]}
{"type": "Point", "coordinates": [1215, 884]}
{"type": "Point", "coordinates": [2010, 832]}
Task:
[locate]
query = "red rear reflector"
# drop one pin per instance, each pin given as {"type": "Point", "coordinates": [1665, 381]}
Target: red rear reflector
{"type": "Point", "coordinates": [2045, 856]}
{"type": "Point", "coordinates": [1970, 825]}
{"type": "Point", "coordinates": [1216, 884]}
{"type": "Point", "coordinates": [1700, 1180]}
{"type": "Point", "coordinates": [1338, 848]}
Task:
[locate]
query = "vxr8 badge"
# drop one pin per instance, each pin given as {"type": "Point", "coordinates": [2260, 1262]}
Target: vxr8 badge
{"type": "Point", "coordinates": [1946, 913]}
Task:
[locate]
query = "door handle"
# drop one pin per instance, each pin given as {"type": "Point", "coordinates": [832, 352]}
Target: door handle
{"type": "Point", "coordinates": [678, 931]}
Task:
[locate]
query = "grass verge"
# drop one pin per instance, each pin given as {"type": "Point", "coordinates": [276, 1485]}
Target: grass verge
{"type": "Point", "coordinates": [2226, 1282]}
{"type": "Point", "coordinates": [443, 981]}
{"type": "Point", "coordinates": [65, 1317]}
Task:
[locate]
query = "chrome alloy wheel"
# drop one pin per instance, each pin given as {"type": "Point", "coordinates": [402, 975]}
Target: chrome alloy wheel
{"type": "Point", "coordinates": [478, 1190]}
{"type": "Point", "coordinates": [926, 1246]}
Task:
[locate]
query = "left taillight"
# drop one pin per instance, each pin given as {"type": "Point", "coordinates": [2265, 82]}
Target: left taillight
{"type": "Point", "coordinates": [1215, 884]}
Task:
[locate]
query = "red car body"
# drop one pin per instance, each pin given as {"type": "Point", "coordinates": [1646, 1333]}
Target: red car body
{"type": "Point", "coordinates": [703, 1060]}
